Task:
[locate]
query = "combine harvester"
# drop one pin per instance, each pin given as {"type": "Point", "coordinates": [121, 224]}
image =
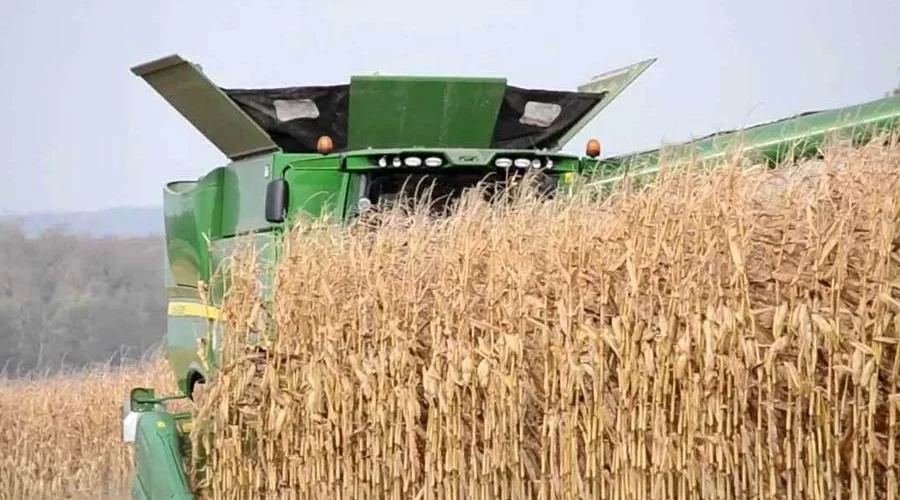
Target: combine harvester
{"type": "Point", "coordinates": [329, 150]}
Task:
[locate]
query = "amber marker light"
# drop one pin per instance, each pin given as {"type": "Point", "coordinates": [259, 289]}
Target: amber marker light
{"type": "Point", "coordinates": [593, 148]}
{"type": "Point", "coordinates": [325, 145]}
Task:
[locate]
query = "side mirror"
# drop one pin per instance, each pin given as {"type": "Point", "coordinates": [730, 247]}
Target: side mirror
{"type": "Point", "coordinates": [276, 200]}
{"type": "Point", "coordinates": [142, 399]}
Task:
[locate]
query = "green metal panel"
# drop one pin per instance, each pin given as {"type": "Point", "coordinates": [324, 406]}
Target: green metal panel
{"type": "Point", "coordinates": [390, 112]}
{"type": "Point", "coordinates": [242, 197]}
{"type": "Point", "coordinates": [205, 106]}
{"type": "Point", "coordinates": [228, 200]}
{"type": "Point", "coordinates": [201, 215]}
{"type": "Point", "coordinates": [182, 334]}
{"type": "Point", "coordinates": [159, 471]}
{"type": "Point", "coordinates": [186, 255]}
{"type": "Point", "coordinates": [315, 193]}
{"type": "Point", "coordinates": [612, 83]}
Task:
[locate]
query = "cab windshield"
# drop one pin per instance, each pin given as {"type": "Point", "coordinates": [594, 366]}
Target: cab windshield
{"type": "Point", "coordinates": [443, 188]}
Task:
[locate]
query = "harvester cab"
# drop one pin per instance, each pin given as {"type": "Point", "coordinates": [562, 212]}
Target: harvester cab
{"type": "Point", "coordinates": [329, 150]}
{"type": "Point", "coordinates": [376, 130]}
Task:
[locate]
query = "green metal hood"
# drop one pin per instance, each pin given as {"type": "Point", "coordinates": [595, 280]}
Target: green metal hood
{"type": "Point", "coordinates": [395, 112]}
{"type": "Point", "coordinates": [383, 111]}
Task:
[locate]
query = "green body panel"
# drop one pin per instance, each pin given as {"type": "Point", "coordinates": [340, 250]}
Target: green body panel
{"type": "Point", "coordinates": [799, 136]}
{"type": "Point", "coordinates": [397, 112]}
{"type": "Point", "coordinates": [225, 202]}
{"type": "Point", "coordinates": [184, 253]}
{"type": "Point", "coordinates": [316, 193]}
{"type": "Point", "coordinates": [200, 214]}
{"type": "Point", "coordinates": [159, 472]}
{"type": "Point", "coordinates": [241, 193]}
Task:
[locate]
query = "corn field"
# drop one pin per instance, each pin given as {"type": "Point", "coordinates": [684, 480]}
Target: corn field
{"type": "Point", "coordinates": [61, 436]}
{"type": "Point", "coordinates": [726, 334]}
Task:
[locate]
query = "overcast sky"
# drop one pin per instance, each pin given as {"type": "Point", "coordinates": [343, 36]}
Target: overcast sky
{"type": "Point", "coordinates": [80, 132]}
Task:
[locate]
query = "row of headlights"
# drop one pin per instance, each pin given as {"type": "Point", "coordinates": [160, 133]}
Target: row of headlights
{"type": "Point", "coordinates": [410, 161]}
{"type": "Point", "coordinates": [523, 163]}
{"type": "Point", "coordinates": [436, 161]}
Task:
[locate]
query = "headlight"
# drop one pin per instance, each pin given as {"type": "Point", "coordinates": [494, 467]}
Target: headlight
{"type": "Point", "coordinates": [536, 163]}
{"type": "Point", "coordinates": [522, 162]}
{"type": "Point", "coordinates": [412, 161]}
{"type": "Point", "coordinates": [433, 161]}
{"type": "Point", "coordinates": [503, 162]}
{"type": "Point", "coordinates": [382, 162]}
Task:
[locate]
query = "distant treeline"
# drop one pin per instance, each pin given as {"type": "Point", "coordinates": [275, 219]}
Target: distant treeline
{"type": "Point", "coordinates": [68, 300]}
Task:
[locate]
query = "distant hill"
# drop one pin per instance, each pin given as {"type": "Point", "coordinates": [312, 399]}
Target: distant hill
{"type": "Point", "coordinates": [118, 221]}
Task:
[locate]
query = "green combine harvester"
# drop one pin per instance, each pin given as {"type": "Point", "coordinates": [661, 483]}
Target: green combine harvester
{"type": "Point", "coordinates": [339, 149]}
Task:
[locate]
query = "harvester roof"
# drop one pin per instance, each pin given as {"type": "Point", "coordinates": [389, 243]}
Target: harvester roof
{"type": "Point", "coordinates": [382, 111]}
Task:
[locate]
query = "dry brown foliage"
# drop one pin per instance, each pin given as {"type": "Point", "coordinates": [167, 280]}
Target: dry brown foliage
{"type": "Point", "coordinates": [61, 436]}
{"type": "Point", "coordinates": [724, 335]}
{"type": "Point", "coordinates": [721, 335]}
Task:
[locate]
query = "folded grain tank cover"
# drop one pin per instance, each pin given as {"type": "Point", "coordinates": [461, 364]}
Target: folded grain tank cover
{"type": "Point", "coordinates": [295, 117]}
{"type": "Point", "coordinates": [382, 111]}
{"type": "Point", "coordinates": [396, 112]}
